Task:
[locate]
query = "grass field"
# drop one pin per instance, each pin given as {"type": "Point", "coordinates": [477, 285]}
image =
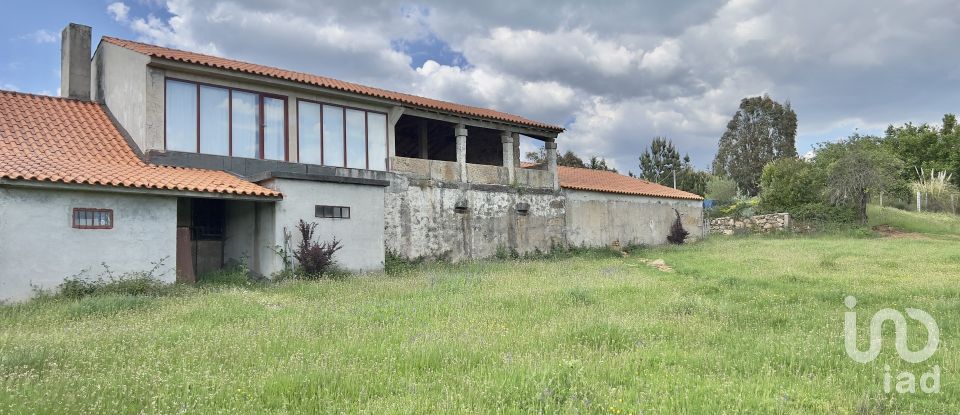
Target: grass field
{"type": "Point", "coordinates": [742, 325]}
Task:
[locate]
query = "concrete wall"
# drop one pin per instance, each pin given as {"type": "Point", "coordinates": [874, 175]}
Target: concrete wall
{"type": "Point", "coordinates": [119, 79]}
{"type": "Point", "coordinates": [361, 235]}
{"type": "Point", "coordinates": [422, 221]}
{"type": "Point", "coordinates": [39, 246]}
{"type": "Point", "coordinates": [249, 236]}
{"type": "Point", "coordinates": [599, 219]}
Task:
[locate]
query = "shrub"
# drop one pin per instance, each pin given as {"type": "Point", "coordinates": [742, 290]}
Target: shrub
{"type": "Point", "coordinates": [315, 258]}
{"type": "Point", "coordinates": [238, 274]}
{"type": "Point", "coordinates": [677, 233]}
{"type": "Point", "coordinates": [140, 283]}
{"type": "Point", "coordinates": [721, 189]}
{"type": "Point", "coordinates": [788, 183]}
{"type": "Point", "coordinates": [504, 253]}
{"type": "Point", "coordinates": [742, 207]}
{"type": "Point", "coordinates": [821, 213]}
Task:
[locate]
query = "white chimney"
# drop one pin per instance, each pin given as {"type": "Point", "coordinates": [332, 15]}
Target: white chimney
{"type": "Point", "coordinates": [75, 61]}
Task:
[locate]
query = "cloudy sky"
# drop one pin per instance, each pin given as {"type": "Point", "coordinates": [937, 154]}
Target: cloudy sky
{"type": "Point", "coordinates": [614, 73]}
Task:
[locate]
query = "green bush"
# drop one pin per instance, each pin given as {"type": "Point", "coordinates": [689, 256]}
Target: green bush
{"type": "Point", "coordinates": [820, 213]}
{"type": "Point", "coordinates": [236, 275]}
{"type": "Point", "coordinates": [721, 189]}
{"type": "Point", "coordinates": [741, 207]}
{"type": "Point", "coordinates": [141, 283]}
{"type": "Point", "coordinates": [395, 264]}
{"type": "Point", "coordinates": [787, 184]}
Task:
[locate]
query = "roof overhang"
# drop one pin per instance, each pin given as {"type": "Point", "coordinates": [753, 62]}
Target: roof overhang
{"type": "Point", "coordinates": [48, 185]}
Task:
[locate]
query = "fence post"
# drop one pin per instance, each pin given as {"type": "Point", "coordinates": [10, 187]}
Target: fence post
{"type": "Point", "coordinates": [918, 201]}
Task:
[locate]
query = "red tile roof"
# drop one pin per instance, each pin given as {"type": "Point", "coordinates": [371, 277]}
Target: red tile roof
{"type": "Point", "coordinates": [324, 82]}
{"type": "Point", "coordinates": [70, 141]}
{"type": "Point", "coordinates": [611, 182]}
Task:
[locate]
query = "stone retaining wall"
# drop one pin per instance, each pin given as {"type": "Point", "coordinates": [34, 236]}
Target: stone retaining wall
{"type": "Point", "coordinates": [758, 223]}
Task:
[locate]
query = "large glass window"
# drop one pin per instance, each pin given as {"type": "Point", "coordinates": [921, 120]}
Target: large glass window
{"type": "Point", "coordinates": [214, 121]}
{"type": "Point", "coordinates": [309, 133]}
{"type": "Point", "coordinates": [332, 135]}
{"type": "Point", "coordinates": [230, 122]}
{"type": "Point", "coordinates": [377, 140]}
{"type": "Point", "coordinates": [246, 125]}
{"type": "Point", "coordinates": [181, 117]}
{"type": "Point", "coordinates": [341, 136]}
{"type": "Point", "coordinates": [274, 131]}
{"type": "Point", "coordinates": [356, 139]}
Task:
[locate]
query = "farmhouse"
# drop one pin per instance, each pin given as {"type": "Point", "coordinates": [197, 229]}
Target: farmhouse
{"type": "Point", "coordinates": [193, 162]}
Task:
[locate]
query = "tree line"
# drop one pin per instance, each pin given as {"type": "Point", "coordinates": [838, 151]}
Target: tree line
{"type": "Point", "coordinates": [757, 168]}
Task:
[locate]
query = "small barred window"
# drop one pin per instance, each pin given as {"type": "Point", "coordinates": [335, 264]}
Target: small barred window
{"type": "Point", "coordinates": [86, 218]}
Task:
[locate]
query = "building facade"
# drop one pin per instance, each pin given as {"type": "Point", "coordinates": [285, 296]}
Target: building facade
{"type": "Point", "coordinates": [197, 162]}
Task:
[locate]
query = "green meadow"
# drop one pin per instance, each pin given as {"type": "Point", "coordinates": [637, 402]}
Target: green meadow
{"type": "Point", "coordinates": [740, 325]}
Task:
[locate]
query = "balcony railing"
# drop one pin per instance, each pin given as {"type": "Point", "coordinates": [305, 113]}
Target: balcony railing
{"type": "Point", "coordinates": [449, 171]}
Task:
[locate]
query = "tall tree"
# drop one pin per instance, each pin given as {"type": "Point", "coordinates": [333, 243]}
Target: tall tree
{"type": "Point", "coordinates": [659, 162]}
{"type": "Point", "coordinates": [926, 147]}
{"type": "Point", "coordinates": [569, 159]}
{"type": "Point", "coordinates": [598, 163]}
{"type": "Point", "coordinates": [761, 131]}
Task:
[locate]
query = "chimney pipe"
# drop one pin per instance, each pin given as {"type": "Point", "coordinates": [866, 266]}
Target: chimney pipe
{"type": "Point", "coordinates": [75, 62]}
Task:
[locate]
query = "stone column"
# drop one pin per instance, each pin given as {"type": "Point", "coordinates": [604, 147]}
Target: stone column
{"type": "Point", "coordinates": [507, 139]}
{"type": "Point", "coordinates": [424, 145]}
{"type": "Point", "coordinates": [516, 150]}
{"type": "Point", "coordinates": [460, 131]}
{"type": "Point", "coordinates": [551, 149]}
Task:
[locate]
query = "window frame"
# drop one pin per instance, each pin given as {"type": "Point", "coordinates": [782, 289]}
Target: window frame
{"type": "Point", "coordinates": [260, 128]}
{"type": "Point", "coordinates": [366, 131]}
{"type": "Point", "coordinates": [344, 212]}
{"type": "Point", "coordinates": [75, 225]}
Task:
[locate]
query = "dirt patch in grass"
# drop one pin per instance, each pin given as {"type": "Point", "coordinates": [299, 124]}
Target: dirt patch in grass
{"type": "Point", "coordinates": [888, 231]}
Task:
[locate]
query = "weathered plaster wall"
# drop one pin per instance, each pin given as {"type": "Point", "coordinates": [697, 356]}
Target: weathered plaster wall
{"type": "Point", "coordinates": [250, 235]}
{"type": "Point", "coordinates": [361, 235]}
{"type": "Point", "coordinates": [119, 79]}
{"type": "Point", "coordinates": [599, 219]}
{"type": "Point", "coordinates": [422, 220]}
{"type": "Point", "coordinates": [39, 246]}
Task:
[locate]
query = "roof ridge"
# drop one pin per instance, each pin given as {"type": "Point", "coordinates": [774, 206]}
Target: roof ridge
{"type": "Point", "coordinates": [35, 95]}
{"type": "Point", "coordinates": [374, 91]}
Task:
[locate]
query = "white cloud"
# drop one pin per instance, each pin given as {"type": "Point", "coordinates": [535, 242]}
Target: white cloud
{"type": "Point", "coordinates": [118, 11]}
{"type": "Point", "coordinates": [41, 36]}
{"type": "Point", "coordinates": [9, 87]}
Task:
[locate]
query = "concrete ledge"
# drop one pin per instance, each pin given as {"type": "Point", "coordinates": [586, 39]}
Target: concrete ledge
{"type": "Point", "coordinates": [259, 177]}
{"type": "Point", "coordinates": [254, 168]}
{"type": "Point", "coordinates": [481, 187]}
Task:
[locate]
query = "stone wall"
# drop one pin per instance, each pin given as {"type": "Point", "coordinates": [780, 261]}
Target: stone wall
{"type": "Point", "coordinates": [755, 224]}
{"type": "Point", "coordinates": [460, 221]}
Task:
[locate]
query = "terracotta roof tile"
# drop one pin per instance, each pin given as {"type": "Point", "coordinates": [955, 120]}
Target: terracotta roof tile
{"type": "Point", "coordinates": [611, 182]}
{"type": "Point", "coordinates": [70, 141]}
{"type": "Point", "coordinates": [324, 82]}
